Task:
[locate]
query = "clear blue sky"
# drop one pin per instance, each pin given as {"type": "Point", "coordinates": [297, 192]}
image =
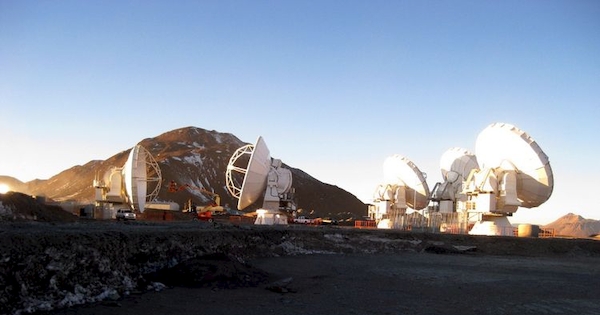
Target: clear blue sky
{"type": "Point", "coordinates": [334, 87]}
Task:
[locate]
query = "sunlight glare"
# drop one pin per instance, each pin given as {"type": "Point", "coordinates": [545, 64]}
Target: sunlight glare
{"type": "Point", "coordinates": [4, 188]}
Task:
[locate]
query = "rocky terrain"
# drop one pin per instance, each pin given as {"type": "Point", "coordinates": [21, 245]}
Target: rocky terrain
{"type": "Point", "coordinates": [51, 262]}
{"type": "Point", "coordinates": [54, 266]}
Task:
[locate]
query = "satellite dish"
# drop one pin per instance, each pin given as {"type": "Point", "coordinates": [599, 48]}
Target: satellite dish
{"type": "Point", "coordinates": [255, 173]}
{"type": "Point", "coordinates": [514, 172]}
{"type": "Point", "coordinates": [263, 177]}
{"type": "Point", "coordinates": [130, 184]}
{"type": "Point", "coordinates": [455, 164]}
{"type": "Point", "coordinates": [506, 147]}
{"type": "Point", "coordinates": [134, 174]}
{"type": "Point", "coordinates": [404, 186]}
{"type": "Point", "coordinates": [399, 170]}
{"type": "Point", "coordinates": [136, 177]}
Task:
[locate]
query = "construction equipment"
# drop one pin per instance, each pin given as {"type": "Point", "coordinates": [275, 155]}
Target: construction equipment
{"type": "Point", "coordinates": [198, 215]}
{"type": "Point", "coordinates": [214, 207]}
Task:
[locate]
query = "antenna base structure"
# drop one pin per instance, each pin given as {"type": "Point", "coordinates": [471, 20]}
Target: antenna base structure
{"type": "Point", "coordinates": [442, 199]}
{"type": "Point", "coordinates": [262, 177]}
{"type": "Point", "coordinates": [389, 206]}
{"type": "Point", "coordinates": [490, 224]}
{"type": "Point", "coordinates": [127, 186]}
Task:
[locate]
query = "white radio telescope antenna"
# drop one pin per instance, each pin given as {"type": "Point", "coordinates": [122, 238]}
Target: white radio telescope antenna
{"type": "Point", "coordinates": [137, 182]}
{"type": "Point", "coordinates": [514, 172]}
{"type": "Point", "coordinates": [263, 177]}
{"type": "Point", "coordinates": [404, 186]}
{"type": "Point", "coordinates": [455, 164]}
{"type": "Point", "coordinates": [141, 169]}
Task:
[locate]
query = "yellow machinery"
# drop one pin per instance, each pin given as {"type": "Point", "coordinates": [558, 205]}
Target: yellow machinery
{"type": "Point", "coordinates": [214, 207]}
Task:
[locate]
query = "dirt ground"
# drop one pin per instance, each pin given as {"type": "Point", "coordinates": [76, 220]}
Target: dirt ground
{"type": "Point", "coordinates": [400, 283]}
{"type": "Point", "coordinates": [48, 262]}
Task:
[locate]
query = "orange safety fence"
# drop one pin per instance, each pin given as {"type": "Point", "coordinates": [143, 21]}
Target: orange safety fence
{"type": "Point", "coordinates": [157, 215]}
{"type": "Point", "coordinates": [457, 229]}
{"type": "Point", "coordinates": [241, 219]}
{"type": "Point", "coordinates": [547, 232]}
{"type": "Point", "coordinates": [451, 229]}
{"type": "Point", "coordinates": [543, 233]}
{"type": "Point", "coordinates": [365, 224]}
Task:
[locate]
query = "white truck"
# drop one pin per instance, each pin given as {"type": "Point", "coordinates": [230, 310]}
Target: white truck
{"type": "Point", "coordinates": [125, 214]}
{"type": "Point", "coordinates": [304, 220]}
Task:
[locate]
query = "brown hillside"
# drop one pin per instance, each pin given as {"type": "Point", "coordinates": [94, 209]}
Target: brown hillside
{"type": "Point", "coordinates": [574, 226]}
{"type": "Point", "coordinates": [198, 158]}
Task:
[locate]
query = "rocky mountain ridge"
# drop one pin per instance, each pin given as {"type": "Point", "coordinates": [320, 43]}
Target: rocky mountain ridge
{"type": "Point", "coordinates": [196, 157]}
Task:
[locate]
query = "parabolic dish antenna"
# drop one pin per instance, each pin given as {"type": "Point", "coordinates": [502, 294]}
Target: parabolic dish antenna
{"type": "Point", "coordinates": [400, 170]}
{"type": "Point", "coordinates": [136, 177]}
{"type": "Point", "coordinates": [456, 164]}
{"type": "Point", "coordinates": [255, 173]}
{"type": "Point", "coordinates": [504, 146]}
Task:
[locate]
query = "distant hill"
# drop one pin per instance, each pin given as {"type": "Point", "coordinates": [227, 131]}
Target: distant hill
{"type": "Point", "coordinates": [196, 157]}
{"type": "Point", "coordinates": [14, 184]}
{"type": "Point", "coordinates": [16, 206]}
{"type": "Point", "coordinates": [574, 225]}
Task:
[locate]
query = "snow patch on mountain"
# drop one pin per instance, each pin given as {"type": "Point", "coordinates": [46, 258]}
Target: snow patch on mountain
{"type": "Point", "coordinates": [218, 138]}
{"type": "Point", "coordinates": [194, 159]}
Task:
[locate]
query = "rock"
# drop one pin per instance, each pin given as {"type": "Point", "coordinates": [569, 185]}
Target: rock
{"type": "Point", "coordinates": [211, 270]}
{"type": "Point", "coordinates": [281, 286]}
{"type": "Point", "coordinates": [448, 249]}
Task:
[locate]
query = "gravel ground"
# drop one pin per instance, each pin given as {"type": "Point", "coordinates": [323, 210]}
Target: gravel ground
{"type": "Point", "coordinates": [404, 283]}
{"type": "Point", "coordinates": [295, 270]}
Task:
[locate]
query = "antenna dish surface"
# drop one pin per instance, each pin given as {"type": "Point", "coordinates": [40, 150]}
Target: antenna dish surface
{"type": "Point", "coordinates": [400, 170]}
{"type": "Point", "coordinates": [504, 146]}
{"type": "Point", "coordinates": [134, 173]}
{"type": "Point", "coordinates": [255, 173]}
{"type": "Point", "coordinates": [457, 163]}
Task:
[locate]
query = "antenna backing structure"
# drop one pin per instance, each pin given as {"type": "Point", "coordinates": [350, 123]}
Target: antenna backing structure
{"type": "Point", "coordinates": [455, 164]}
{"type": "Point", "coordinates": [131, 185]}
{"type": "Point", "coordinates": [261, 177]}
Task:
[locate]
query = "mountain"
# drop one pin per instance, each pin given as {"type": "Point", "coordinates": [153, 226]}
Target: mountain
{"type": "Point", "coordinates": [575, 226]}
{"type": "Point", "coordinates": [198, 158]}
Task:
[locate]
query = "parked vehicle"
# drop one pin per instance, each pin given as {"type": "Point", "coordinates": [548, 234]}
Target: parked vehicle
{"type": "Point", "coordinates": [304, 220]}
{"type": "Point", "coordinates": [125, 214]}
{"type": "Point", "coordinates": [329, 221]}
